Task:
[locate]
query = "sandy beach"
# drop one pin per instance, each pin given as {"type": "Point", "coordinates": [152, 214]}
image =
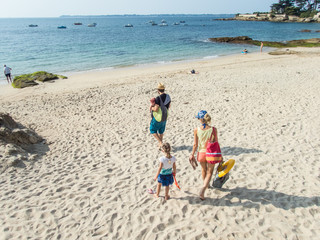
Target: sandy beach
{"type": "Point", "coordinates": [89, 180]}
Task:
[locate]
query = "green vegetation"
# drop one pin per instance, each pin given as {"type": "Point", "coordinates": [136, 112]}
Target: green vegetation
{"type": "Point", "coordinates": [313, 42]}
{"type": "Point", "coordinates": [27, 80]}
{"type": "Point", "coordinates": [294, 43]}
{"type": "Point", "coordinates": [301, 8]}
{"type": "Point", "coordinates": [309, 13]}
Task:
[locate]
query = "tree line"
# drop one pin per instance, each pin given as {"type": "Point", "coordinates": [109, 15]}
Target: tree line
{"type": "Point", "coordinates": [301, 8]}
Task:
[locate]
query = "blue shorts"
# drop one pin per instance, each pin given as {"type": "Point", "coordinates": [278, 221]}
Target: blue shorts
{"type": "Point", "coordinates": [165, 180]}
{"type": "Point", "coordinates": [157, 127]}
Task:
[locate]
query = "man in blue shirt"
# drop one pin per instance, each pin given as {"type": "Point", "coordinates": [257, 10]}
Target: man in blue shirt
{"type": "Point", "coordinates": [7, 73]}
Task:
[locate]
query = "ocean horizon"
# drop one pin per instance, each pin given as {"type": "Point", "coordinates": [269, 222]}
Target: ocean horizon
{"type": "Point", "coordinates": [108, 45]}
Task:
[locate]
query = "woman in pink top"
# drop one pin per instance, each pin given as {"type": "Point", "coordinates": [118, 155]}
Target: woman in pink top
{"type": "Point", "coordinates": [201, 136]}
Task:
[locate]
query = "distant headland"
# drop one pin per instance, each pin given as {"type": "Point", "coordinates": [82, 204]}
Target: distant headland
{"type": "Point", "coordinates": [285, 11]}
{"type": "Point", "coordinates": [135, 15]}
{"type": "Point", "coordinates": [272, 18]}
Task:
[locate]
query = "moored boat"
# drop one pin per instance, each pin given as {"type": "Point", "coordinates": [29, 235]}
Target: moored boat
{"type": "Point", "coordinates": [92, 25]}
{"type": "Point", "coordinates": [77, 23]}
{"type": "Point", "coordinates": [33, 25]}
{"type": "Point", "coordinates": [128, 25]}
{"type": "Point", "coordinates": [62, 27]}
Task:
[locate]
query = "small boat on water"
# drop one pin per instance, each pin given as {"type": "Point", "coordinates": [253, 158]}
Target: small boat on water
{"type": "Point", "coordinates": [154, 24]}
{"type": "Point", "coordinates": [163, 21]}
{"type": "Point", "coordinates": [33, 25]}
{"type": "Point", "coordinates": [182, 21]}
{"type": "Point", "coordinates": [92, 25]}
{"type": "Point", "coordinates": [176, 23]}
{"type": "Point", "coordinates": [128, 25]}
{"type": "Point", "coordinates": [77, 23]}
{"type": "Point", "coordinates": [62, 27]}
{"type": "Point", "coordinates": [163, 24]}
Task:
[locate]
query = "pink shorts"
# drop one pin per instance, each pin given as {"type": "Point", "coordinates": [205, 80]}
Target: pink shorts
{"type": "Point", "coordinates": [201, 157]}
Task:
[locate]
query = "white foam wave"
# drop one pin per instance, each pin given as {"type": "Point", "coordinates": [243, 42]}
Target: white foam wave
{"type": "Point", "coordinates": [210, 57]}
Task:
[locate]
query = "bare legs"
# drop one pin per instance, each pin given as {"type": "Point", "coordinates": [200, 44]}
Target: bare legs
{"type": "Point", "coordinates": [166, 188]}
{"type": "Point", "coordinates": [9, 78]}
{"type": "Point", "coordinates": [158, 190]}
{"type": "Point", "coordinates": [203, 170]}
{"type": "Point", "coordinates": [206, 180]}
{"type": "Point", "coordinates": [166, 196]}
{"type": "Point", "coordinates": [159, 138]}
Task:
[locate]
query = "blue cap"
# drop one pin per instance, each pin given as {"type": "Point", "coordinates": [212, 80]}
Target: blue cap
{"type": "Point", "coordinates": [201, 114]}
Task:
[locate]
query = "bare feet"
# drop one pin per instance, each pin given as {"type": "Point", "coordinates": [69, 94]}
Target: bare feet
{"type": "Point", "coordinates": [167, 197]}
{"type": "Point", "coordinates": [202, 193]}
{"type": "Point", "coordinates": [156, 195]}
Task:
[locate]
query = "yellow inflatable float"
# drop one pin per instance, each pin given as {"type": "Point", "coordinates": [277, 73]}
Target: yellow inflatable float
{"type": "Point", "coordinates": [225, 167]}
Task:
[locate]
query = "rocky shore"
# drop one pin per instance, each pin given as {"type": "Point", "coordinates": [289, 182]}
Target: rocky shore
{"type": "Point", "coordinates": [19, 145]}
{"type": "Point", "coordinates": [314, 42]}
{"type": "Point", "coordinates": [33, 79]}
{"type": "Point", "coordinates": [271, 18]}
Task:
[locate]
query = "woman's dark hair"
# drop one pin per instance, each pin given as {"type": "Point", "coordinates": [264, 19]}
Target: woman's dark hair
{"type": "Point", "coordinates": [161, 90]}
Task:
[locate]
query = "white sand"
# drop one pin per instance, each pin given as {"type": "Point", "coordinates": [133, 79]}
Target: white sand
{"type": "Point", "coordinates": [91, 183]}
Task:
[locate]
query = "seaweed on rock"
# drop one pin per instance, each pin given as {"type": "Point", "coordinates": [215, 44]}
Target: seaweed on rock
{"type": "Point", "coordinates": [28, 80]}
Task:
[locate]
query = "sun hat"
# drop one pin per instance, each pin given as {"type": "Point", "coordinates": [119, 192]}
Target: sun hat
{"type": "Point", "coordinates": [161, 86]}
{"type": "Point", "coordinates": [201, 114]}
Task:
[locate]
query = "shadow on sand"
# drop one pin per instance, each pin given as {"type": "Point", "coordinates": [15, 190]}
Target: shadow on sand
{"type": "Point", "coordinates": [234, 151]}
{"type": "Point", "coordinates": [253, 198]}
{"type": "Point", "coordinates": [181, 148]}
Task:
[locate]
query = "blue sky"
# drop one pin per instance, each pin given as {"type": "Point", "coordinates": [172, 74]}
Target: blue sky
{"type": "Point", "coordinates": [55, 8]}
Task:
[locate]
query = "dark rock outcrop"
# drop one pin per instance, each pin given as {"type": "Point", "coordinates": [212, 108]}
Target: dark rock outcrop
{"type": "Point", "coordinates": [245, 40]}
{"type": "Point", "coordinates": [239, 39]}
{"type": "Point", "coordinates": [313, 42]}
{"type": "Point", "coordinates": [29, 80]}
{"type": "Point", "coordinates": [12, 132]}
{"type": "Point", "coordinates": [16, 143]}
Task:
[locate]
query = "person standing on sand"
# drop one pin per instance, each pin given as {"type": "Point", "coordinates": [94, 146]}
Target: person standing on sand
{"type": "Point", "coordinates": [7, 73]}
{"type": "Point", "coordinates": [166, 170]}
{"type": "Point", "coordinates": [261, 46]}
{"type": "Point", "coordinates": [160, 114]}
{"type": "Point", "coordinates": [202, 135]}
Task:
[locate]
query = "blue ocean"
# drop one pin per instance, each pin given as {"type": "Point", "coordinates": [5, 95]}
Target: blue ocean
{"type": "Point", "coordinates": [110, 44]}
